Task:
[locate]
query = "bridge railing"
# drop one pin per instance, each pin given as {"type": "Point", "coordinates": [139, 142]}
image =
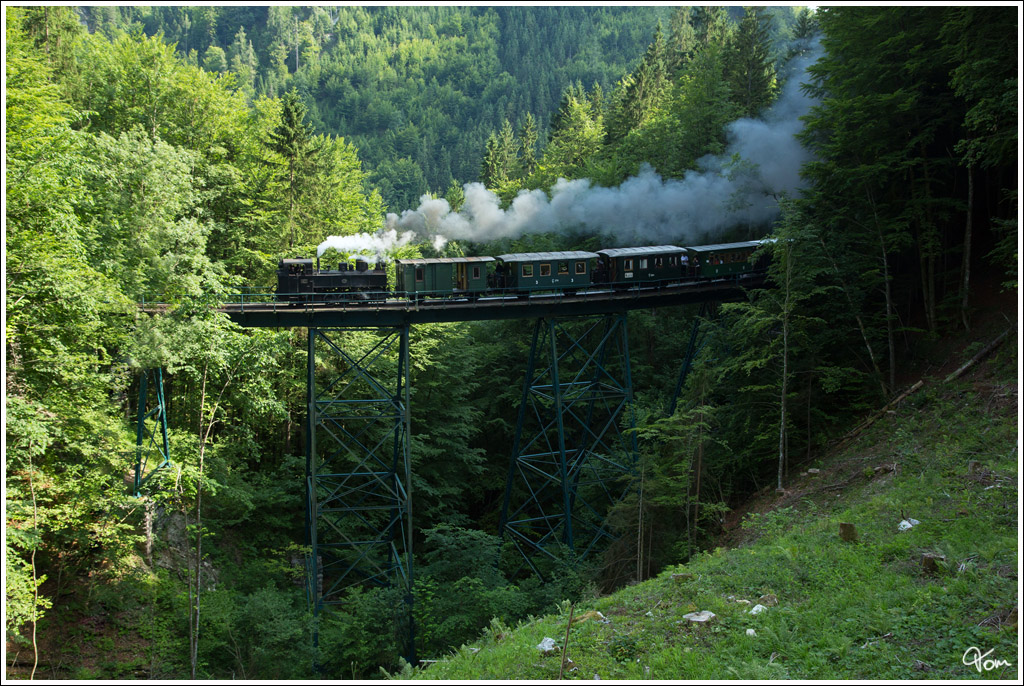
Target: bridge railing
{"type": "Point", "coordinates": [260, 299]}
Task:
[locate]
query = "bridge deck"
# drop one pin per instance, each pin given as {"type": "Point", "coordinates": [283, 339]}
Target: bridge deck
{"type": "Point", "coordinates": [400, 312]}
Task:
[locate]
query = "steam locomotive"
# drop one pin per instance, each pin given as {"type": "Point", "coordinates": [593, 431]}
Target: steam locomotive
{"type": "Point", "coordinates": [519, 274]}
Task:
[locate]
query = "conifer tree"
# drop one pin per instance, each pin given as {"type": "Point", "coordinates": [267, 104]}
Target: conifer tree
{"type": "Point", "coordinates": [649, 81]}
{"type": "Point", "coordinates": [596, 99]}
{"type": "Point", "coordinates": [292, 140]}
{"type": "Point", "coordinates": [712, 25]}
{"type": "Point", "coordinates": [682, 40]}
{"type": "Point", "coordinates": [527, 146]}
{"type": "Point", "coordinates": [242, 60]}
{"type": "Point", "coordinates": [806, 24]}
{"type": "Point", "coordinates": [751, 66]}
{"type": "Point", "coordinates": [573, 93]}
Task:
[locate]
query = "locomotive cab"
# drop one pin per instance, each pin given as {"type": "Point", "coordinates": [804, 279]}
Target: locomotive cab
{"type": "Point", "coordinates": [294, 277]}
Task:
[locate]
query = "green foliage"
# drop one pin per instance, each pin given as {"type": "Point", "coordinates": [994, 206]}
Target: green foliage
{"type": "Point", "coordinates": [362, 637]}
{"type": "Point", "coordinates": [132, 172]}
{"type": "Point", "coordinates": [845, 611]}
{"type": "Point", "coordinates": [255, 631]}
{"type": "Point", "coordinates": [426, 84]}
{"type": "Point", "coordinates": [751, 62]}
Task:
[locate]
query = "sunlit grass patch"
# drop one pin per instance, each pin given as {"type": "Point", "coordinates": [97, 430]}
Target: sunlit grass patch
{"type": "Point", "coordinates": [868, 609]}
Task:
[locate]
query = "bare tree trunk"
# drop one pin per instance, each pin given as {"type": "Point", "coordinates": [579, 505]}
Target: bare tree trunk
{"type": "Point", "coordinates": [204, 432]}
{"type": "Point", "coordinates": [810, 390]}
{"type": "Point", "coordinates": [782, 405]}
{"type": "Point", "coordinates": [889, 317]}
{"type": "Point", "coordinates": [148, 526]}
{"type": "Point", "coordinates": [194, 609]}
{"type": "Point", "coordinates": [860, 323]}
{"type": "Point", "coordinates": [291, 204]}
{"type": "Point", "coordinates": [785, 367]}
{"type": "Point", "coordinates": [639, 527]}
{"type": "Point", "coordinates": [35, 577]}
{"type": "Point", "coordinates": [889, 314]}
{"type": "Point", "coordinates": [46, 34]}
{"type": "Point", "coordinates": [700, 468]}
{"type": "Point", "coordinates": [967, 249]}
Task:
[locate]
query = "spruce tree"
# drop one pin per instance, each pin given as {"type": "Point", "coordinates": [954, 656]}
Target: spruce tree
{"type": "Point", "coordinates": [527, 146]}
{"type": "Point", "coordinates": [292, 140]}
{"type": "Point", "coordinates": [682, 40]}
{"type": "Point", "coordinates": [712, 25]}
{"type": "Point", "coordinates": [751, 66]}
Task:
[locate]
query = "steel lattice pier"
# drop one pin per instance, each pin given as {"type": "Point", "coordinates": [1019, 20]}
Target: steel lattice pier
{"type": "Point", "coordinates": [573, 449]}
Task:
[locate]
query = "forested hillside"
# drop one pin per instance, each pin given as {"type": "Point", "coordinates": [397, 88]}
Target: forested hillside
{"type": "Point", "coordinates": [417, 90]}
{"type": "Point", "coordinates": [176, 154]}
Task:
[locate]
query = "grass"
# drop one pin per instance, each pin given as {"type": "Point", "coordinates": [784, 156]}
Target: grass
{"type": "Point", "coordinates": [861, 610]}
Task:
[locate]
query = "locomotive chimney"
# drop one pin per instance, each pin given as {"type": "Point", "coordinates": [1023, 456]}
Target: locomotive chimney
{"type": "Point", "coordinates": [361, 265]}
{"type": "Point", "coordinates": [318, 264]}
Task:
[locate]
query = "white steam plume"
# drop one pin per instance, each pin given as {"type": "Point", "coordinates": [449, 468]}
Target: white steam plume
{"type": "Point", "coordinates": [379, 244]}
{"type": "Point", "coordinates": [645, 209]}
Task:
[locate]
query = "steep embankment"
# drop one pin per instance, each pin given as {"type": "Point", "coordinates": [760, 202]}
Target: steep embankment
{"type": "Point", "coordinates": [895, 603]}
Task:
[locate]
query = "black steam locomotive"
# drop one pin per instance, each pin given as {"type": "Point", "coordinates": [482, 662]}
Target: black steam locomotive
{"type": "Point", "coordinates": [302, 280]}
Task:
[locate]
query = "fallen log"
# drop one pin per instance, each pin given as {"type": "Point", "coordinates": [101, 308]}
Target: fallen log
{"type": "Point", "coordinates": [980, 356]}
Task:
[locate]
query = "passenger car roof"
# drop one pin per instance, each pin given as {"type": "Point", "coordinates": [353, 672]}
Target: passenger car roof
{"type": "Point", "coordinates": [537, 256]}
{"type": "Point", "coordinates": [648, 250]}
{"type": "Point", "coordinates": [444, 260]}
{"type": "Point", "coordinates": [722, 247]}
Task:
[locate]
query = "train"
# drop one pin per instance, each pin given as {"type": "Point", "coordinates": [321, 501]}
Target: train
{"type": "Point", "coordinates": [516, 274]}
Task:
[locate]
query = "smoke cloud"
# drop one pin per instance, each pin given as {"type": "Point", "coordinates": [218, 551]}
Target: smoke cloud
{"type": "Point", "coordinates": [645, 209]}
{"type": "Point", "coordinates": [379, 245]}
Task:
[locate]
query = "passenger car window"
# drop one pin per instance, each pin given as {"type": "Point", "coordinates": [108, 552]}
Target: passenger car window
{"type": "Point", "coordinates": [581, 267]}
{"type": "Point", "coordinates": [545, 270]}
{"type": "Point", "coordinates": [527, 270]}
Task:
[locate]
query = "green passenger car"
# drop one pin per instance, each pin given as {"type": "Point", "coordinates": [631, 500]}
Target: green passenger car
{"type": "Point", "coordinates": [538, 271]}
{"type": "Point", "coordinates": [721, 260]}
{"type": "Point", "coordinates": [442, 276]}
{"type": "Point", "coordinates": [648, 265]}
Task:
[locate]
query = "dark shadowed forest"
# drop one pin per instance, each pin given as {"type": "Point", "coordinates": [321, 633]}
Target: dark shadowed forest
{"type": "Point", "coordinates": [176, 154]}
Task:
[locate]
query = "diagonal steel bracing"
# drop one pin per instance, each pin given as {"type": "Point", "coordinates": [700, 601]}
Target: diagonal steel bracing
{"type": "Point", "coordinates": [705, 315]}
{"type": "Point", "coordinates": [152, 449]}
{"type": "Point", "coordinates": [572, 448]}
{"type": "Point", "coordinates": [358, 507]}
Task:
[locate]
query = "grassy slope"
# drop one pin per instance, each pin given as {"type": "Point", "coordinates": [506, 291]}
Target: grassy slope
{"type": "Point", "coordinates": [863, 610]}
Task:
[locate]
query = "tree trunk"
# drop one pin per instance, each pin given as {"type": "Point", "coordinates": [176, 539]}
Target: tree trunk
{"type": "Point", "coordinates": [889, 314]}
{"type": "Point", "coordinates": [785, 368]}
{"type": "Point", "coordinates": [860, 322]}
{"type": "Point", "coordinates": [194, 610]}
{"type": "Point", "coordinates": [639, 527]}
{"type": "Point", "coordinates": [967, 249]}
{"type": "Point", "coordinates": [291, 204]}
{"type": "Point", "coordinates": [810, 390]}
{"type": "Point", "coordinates": [700, 468]}
{"type": "Point", "coordinates": [148, 525]}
